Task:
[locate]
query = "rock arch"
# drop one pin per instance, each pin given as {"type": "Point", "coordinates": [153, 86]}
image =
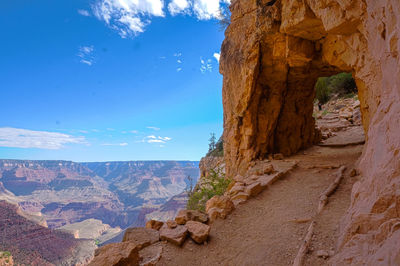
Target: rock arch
{"type": "Point", "coordinates": [271, 58]}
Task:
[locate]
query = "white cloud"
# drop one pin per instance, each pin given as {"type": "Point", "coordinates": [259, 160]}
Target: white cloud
{"type": "Point", "coordinates": [86, 55]}
{"type": "Point", "coordinates": [206, 9]}
{"type": "Point", "coordinates": [217, 56]}
{"type": "Point", "coordinates": [115, 144]}
{"type": "Point", "coordinates": [178, 6]}
{"type": "Point", "coordinates": [84, 12]}
{"type": "Point", "coordinates": [110, 129]}
{"type": "Point", "coordinates": [134, 131]}
{"type": "Point", "coordinates": [154, 139]}
{"type": "Point", "coordinates": [179, 69]}
{"type": "Point", "coordinates": [206, 65]}
{"type": "Point", "coordinates": [179, 61]}
{"type": "Point", "coordinates": [24, 138]}
{"type": "Point", "coordinates": [128, 17]}
{"type": "Point", "coordinates": [202, 9]}
{"type": "Point", "coordinates": [154, 128]}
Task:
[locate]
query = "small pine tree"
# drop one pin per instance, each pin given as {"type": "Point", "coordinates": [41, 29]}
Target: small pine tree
{"type": "Point", "coordinates": [212, 142]}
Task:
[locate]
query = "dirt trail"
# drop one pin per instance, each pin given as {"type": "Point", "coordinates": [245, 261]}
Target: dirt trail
{"type": "Point", "coordinates": [268, 229]}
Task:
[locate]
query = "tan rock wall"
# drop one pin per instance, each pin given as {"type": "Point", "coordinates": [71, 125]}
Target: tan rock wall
{"type": "Point", "coordinates": [271, 58]}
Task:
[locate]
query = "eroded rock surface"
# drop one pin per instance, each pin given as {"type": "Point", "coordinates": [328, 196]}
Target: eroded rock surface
{"type": "Point", "coordinates": [121, 254]}
{"type": "Point", "coordinates": [272, 55]}
{"type": "Point", "coordinates": [175, 235]}
{"type": "Point", "coordinates": [142, 237]}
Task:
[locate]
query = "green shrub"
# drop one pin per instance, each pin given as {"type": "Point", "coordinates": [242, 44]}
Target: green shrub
{"type": "Point", "coordinates": [215, 185]}
{"type": "Point", "coordinates": [341, 84]}
{"type": "Point", "coordinates": [5, 254]}
{"type": "Point", "coordinates": [323, 92]}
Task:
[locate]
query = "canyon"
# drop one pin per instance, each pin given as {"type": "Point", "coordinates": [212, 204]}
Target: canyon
{"type": "Point", "coordinates": [88, 201]}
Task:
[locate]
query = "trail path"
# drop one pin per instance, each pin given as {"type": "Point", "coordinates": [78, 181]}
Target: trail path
{"type": "Point", "coordinates": [269, 229]}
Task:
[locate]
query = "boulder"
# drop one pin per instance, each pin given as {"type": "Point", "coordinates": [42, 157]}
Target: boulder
{"type": "Point", "coordinates": [190, 215]}
{"type": "Point", "coordinates": [121, 254]}
{"type": "Point", "coordinates": [215, 213]}
{"type": "Point", "coordinates": [254, 189]}
{"type": "Point", "coordinates": [243, 196]}
{"type": "Point", "coordinates": [237, 188]}
{"type": "Point", "coordinates": [141, 236]}
{"type": "Point", "coordinates": [219, 207]}
{"type": "Point", "coordinates": [171, 224]}
{"type": "Point", "coordinates": [198, 231]}
{"type": "Point", "coordinates": [154, 224]}
{"type": "Point", "coordinates": [175, 235]}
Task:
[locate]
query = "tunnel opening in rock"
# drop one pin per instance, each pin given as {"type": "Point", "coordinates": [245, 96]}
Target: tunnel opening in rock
{"type": "Point", "coordinates": [337, 110]}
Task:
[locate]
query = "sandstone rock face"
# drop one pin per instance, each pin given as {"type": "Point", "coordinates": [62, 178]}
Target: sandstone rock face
{"type": "Point", "coordinates": [210, 163]}
{"type": "Point", "coordinates": [271, 58]}
{"type": "Point", "coordinates": [198, 231]}
{"type": "Point", "coordinates": [175, 235]}
{"type": "Point", "coordinates": [190, 215]}
{"type": "Point", "coordinates": [121, 254]}
{"type": "Point", "coordinates": [142, 237]}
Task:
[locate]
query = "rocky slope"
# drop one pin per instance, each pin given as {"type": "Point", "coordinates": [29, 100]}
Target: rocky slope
{"type": "Point", "coordinates": [271, 57]}
{"type": "Point", "coordinates": [32, 244]}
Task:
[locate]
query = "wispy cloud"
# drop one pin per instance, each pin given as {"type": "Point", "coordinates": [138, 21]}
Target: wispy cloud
{"type": "Point", "coordinates": [154, 128]}
{"type": "Point", "coordinates": [202, 9]}
{"type": "Point", "coordinates": [83, 12]}
{"type": "Point", "coordinates": [110, 129]}
{"type": "Point", "coordinates": [24, 138]}
{"type": "Point", "coordinates": [217, 56]}
{"type": "Point", "coordinates": [115, 144]}
{"type": "Point", "coordinates": [206, 65]}
{"type": "Point", "coordinates": [179, 69]}
{"type": "Point", "coordinates": [134, 131]}
{"type": "Point", "coordinates": [131, 17]}
{"type": "Point", "coordinates": [128, 17]}
{"type": "Point", "coordinates": [86, 55]}
{"type": "Point", "coordinates": [156, 139]}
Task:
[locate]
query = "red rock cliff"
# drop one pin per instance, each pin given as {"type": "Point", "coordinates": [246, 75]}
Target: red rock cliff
{"type": "Point", "coordinates": [272, 55]}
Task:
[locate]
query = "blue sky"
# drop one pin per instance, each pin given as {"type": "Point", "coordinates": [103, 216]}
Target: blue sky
{"type": "Point", "coordinates": [108, 80]}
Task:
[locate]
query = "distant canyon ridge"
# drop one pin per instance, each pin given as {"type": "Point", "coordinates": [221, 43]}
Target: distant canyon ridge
{"type": "Point", "coordinates": [119, 194]}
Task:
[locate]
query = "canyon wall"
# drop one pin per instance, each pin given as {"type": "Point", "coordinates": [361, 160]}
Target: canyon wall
{"type": "Point", "coordinates": [273, 53]}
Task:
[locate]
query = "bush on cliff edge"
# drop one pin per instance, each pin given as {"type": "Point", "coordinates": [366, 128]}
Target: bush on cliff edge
{"type": "Point", "coordinates": [214, 185]}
